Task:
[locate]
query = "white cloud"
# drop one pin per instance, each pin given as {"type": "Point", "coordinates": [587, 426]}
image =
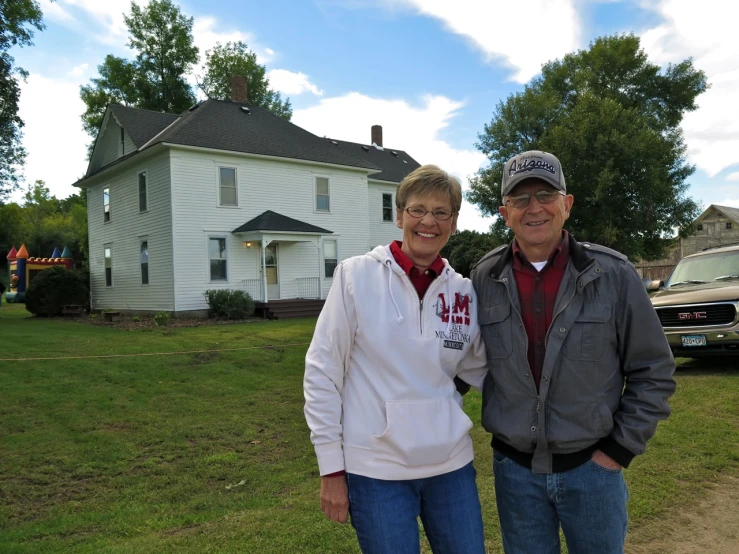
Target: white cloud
{"type": "Point", "coordinates": [53, 134]}
{"type": "Point", "coordinates": [288, 82]}
{"type": "Point", "coordinates": [207, 31]}
{"type": "Point", "coordinates": [733, 176]}
{"type": "Point", "coordinates": [103, 20]}
{"type": "Point", "coordinates": [730, 202]}
{"type": "Point", "coordinates": [707, 34]}
{"type": "Point", "coordinates": [413, 128]}
{"type": "Point", "coordinates": [79, 70]}
{"type": "Point", "coordinates": [523, 34]}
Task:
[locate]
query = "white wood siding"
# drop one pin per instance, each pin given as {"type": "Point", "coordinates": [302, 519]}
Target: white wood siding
{"type": "Point", "coordinates": [108, 146]}
{"type": "Point", "coordinates": [284, 187]}
{"type": "Point", "coordinates": [381, 232]}
{"type": "Point", "coordinates": [124, 232]}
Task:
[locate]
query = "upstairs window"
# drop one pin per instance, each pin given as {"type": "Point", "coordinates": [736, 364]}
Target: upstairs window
{"type": "Point", "coordinates": [330, 258]}
{"type": "Point", "coordinates": [106, 204]}
{"type": "Point", "coordinates": [218, 258]}
{"type": "Point", "coordinates": [699, 227]}
{"type": "Point", "coordinates": [322, 195]}
{"type": "Point", "coordinates": [108, 267]}
{"type": "Point", "coordinates": [387, 207]}
{"type": "Point", "coordinates": [728, 225]}
{"type": "Point", "coordinates": [144, 262]}
{"type": "Point", "coordinates": [123, 142]}
{"type": "Point", "coordinates": [227, 186]}
{"type": "Point", "coordinates": [143, 200]}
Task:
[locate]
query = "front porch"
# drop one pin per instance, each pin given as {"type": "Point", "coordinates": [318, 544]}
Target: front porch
{"type": "Point", "coordinates": [291, 265]}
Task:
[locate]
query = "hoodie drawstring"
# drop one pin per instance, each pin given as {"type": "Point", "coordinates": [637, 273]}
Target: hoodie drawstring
{"type": "Point", "coordinates": [390, 290]}
{"type": "Point", "coordinates": [451, 302]}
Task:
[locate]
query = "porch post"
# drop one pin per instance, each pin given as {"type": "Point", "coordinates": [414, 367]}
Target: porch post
{"type": "Point", "coordinates": [320, 288]}
{"type": "Point", "coordinates": [264, 269]}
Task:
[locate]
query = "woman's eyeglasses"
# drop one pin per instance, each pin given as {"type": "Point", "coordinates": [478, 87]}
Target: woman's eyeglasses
{"type": "Point", "coordinates": [418, 212]}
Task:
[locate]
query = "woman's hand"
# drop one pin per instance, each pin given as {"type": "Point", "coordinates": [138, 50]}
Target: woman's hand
{"type": "Point", "coordinates": [335, 498]}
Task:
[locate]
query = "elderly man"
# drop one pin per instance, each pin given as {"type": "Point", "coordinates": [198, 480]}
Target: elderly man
{"type": "Point", "coordinates": [579, 371]}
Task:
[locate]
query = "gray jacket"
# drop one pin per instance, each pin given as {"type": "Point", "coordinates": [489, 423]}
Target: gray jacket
{"type": "Point", "coordinates": [607, 370]}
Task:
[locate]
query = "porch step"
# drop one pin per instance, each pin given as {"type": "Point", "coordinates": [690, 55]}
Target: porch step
{"type": "Point", "coordinates": [285, 309]}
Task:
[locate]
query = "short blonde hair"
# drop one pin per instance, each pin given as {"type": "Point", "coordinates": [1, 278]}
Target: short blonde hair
{"type": "Point", "coordinates": [429, 180]}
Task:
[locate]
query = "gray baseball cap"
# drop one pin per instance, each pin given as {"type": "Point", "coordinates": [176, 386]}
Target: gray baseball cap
{"type": "Point", "coordinates": [533, 164]}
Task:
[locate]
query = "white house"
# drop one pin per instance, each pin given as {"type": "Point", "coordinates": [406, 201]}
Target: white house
{"type": "Point", "coordinates": [227, 195]}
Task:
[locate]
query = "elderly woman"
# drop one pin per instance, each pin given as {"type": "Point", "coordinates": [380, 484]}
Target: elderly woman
{"type": "Point", "coordinates": [392, 441]}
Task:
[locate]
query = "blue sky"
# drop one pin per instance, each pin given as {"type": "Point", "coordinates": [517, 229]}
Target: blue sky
{"type": "Point", "coordinates": [429, 71]}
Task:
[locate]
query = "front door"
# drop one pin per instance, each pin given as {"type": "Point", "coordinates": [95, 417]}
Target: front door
{"type": "Point", "coordinates": [273, 274]}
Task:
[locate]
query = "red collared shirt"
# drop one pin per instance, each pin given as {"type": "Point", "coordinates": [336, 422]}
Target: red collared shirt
{"type": "Point", "coordinates": [537, 292]}
{"type": "Point", "coordinates": [421, 279]}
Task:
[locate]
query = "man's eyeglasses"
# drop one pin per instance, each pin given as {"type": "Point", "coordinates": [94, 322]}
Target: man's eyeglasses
{"type": "Point", "coordinates": [418, 212]}
{"type": "Point", "coordinates": [543, 196]}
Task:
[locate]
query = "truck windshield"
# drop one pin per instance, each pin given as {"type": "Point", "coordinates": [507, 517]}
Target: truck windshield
{"type": "Point", "coordinates": [705, 269]}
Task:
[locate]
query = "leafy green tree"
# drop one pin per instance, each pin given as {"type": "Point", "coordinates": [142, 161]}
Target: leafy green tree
{"type": "Point", "coordinates": [18, 19]}
{"type": "Point", "coordinates": [116, 84]}
{"type": "Point", "coordinates": [162, 36]}
{"type": "Point", "coordinates": [234, 58]}
{"type": "Point", "coordinates": [155, 80]}
{"type": "Point", "coordinates": [465, 248]}
{"type": "Point", "coordinates": [613, 119]}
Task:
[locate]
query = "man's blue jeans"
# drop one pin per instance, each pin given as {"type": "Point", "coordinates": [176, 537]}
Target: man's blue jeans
{"type": "Point", "coordinates": [384, 513]}
{"type": "Point", "coordinates": [589, 502]}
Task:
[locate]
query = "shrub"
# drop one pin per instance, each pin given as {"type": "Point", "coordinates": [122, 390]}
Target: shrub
{"type": "Point", "coordinates": [136, 319]}
{"type": "Point", "coordinates": [161, 319]}
{"type": "Point", "coordinates": [53, 288]}
{"type": "Point", "coordinates": [229, 303]}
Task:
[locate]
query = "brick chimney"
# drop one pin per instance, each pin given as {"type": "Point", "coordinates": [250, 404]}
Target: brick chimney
{"type": "Point", "coordinates": [377, 135]}
{"type": "Point", "coordinates": [239, 89]}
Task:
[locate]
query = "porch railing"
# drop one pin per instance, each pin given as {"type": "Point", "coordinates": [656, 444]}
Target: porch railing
{"type": "Point", "coordinates": [255, 288]}
{"type": "Point", "coordinates": [309, 287]}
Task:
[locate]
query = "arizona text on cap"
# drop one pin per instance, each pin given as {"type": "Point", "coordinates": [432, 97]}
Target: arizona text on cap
{"type": "Point", "coordinates": [533, 164]}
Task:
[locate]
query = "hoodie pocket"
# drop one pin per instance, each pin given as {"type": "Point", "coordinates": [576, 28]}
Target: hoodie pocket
{"type": "Point", "coordinates": [422, 432]}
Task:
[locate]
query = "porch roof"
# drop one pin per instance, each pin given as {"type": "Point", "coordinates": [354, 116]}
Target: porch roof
{"type": "Point", "coordinates": [270, 221]}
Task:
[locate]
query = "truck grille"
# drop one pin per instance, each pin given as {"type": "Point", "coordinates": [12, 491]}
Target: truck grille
{"type": "Point", "coordinates": [698, 315]}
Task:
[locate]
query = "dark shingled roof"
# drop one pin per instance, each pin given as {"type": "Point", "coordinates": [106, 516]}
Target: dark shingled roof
{"type": "Point", "coordinates": [141, 125]}
{"type": "Point", "coordinates": [225, 126]}
{"type": "Point", "coordinates": [272, 221]}
{"type": "Point", "coordinates": [394, 167]}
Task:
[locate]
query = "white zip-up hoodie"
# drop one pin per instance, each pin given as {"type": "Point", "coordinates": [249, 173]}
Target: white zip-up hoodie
{"type": "Point", "coordinates": [379, 373]}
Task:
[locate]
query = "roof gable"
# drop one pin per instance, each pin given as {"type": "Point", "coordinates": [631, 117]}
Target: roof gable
{"type": "Point", "coordinates": [272, 221]}
{"type": "Point", "coordinates": [726, 211]}
{"type": "Point", "coordinates": [141, 125]}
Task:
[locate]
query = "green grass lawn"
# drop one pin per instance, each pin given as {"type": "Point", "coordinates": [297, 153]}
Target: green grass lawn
{"type": "Point", "coordinates": [210, 453]}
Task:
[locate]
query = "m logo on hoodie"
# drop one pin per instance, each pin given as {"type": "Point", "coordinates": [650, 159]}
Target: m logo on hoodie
{"type": "Point", "coordinates": [455, 338]}
{"type": "Point", "coordinates": [460, 309]}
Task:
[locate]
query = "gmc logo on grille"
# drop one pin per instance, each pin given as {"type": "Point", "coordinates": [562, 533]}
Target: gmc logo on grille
{"type": "Point", "coordinates": [692, 315]}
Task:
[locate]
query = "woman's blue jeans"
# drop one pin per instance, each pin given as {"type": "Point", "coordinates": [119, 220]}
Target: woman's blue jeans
{"type": "Point", "coordinates": [588, 502]}
{"type": "Point", "coordinates": [384, 513]}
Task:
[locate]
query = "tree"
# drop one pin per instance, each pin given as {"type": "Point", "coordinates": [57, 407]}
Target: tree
{"type": "Point", "coordinates": [465, 248]}
{"type": "Point", "coordinates": [234, 58]}
{"type": "Point", "coordinates": [613, 119]}
{"type": "Point", "coordinates": [18, 18]}
{"type": "Point", "coordinates": [116, 84]}
{"type": "Point", "coordinates": [155, 80]}
{"type": "Point", "coordinates": [166, 53]}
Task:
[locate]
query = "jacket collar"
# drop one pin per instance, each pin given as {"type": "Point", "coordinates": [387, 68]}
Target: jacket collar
{"type": "Point", "coordinates": [580, 258]}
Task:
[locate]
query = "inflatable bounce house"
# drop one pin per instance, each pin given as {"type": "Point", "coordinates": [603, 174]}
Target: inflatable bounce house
{"type": "Point", "coordinates": [24, 268]}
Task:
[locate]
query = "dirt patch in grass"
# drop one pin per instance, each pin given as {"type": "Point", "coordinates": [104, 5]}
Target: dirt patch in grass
{"type": "Point", "coordinates": [710, 525]}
